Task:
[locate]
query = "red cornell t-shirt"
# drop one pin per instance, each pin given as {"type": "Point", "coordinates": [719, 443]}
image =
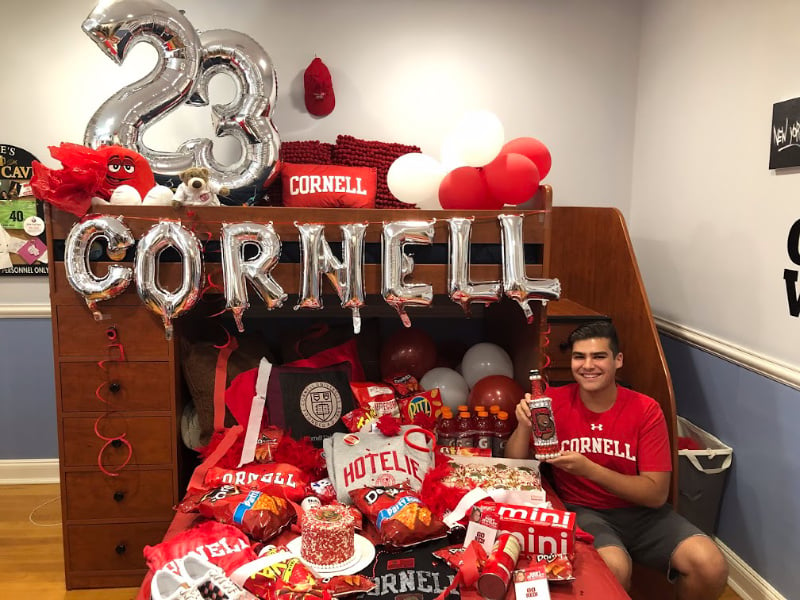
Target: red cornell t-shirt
{"type": "Point", "coordinates": [630, 437]}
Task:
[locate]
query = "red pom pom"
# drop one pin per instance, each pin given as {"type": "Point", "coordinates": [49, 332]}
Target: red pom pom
{"type": "Point", "coordinates": [440, 498]}
{"type": "Point", "coordinates": [301, 454]}
{"type": "Point", "coordinates": [388, 425]}
{"type": "Point", "coordinates": [424, 420]}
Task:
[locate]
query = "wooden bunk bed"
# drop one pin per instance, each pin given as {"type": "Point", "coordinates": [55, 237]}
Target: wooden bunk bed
{"type": "Point", "coordinates": [106, 528]}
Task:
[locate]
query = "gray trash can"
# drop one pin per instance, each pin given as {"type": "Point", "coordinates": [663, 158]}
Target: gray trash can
{"type": "Point", "coordinates": [701, 476]}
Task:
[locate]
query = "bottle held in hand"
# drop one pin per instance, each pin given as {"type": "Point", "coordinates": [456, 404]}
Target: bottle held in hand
{"type": "Point", "coordinates": [545, 440]}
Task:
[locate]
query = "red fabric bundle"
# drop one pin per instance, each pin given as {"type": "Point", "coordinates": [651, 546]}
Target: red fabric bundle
{"type": "Point", "coordinates": [223, 545]}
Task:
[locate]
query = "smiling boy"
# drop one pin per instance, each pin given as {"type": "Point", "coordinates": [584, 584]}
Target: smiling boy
{"type": "Point", "coordinates": [614, 471]}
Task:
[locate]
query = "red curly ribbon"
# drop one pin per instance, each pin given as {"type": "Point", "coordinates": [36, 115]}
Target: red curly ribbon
{"type": "Point", "coordinates": [108, 442]}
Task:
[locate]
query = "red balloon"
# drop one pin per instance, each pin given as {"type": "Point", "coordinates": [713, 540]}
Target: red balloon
{"type": "Point", "coordinates": [408, 351]}
{"type": "Point", "coordinates": [511, 178]}
{"type": "Point", "coordinates": [497, 389]}
{"type": "Point", "coordinates": [465, 188]}
{"type": "Point", "coordinates": [534, 150]}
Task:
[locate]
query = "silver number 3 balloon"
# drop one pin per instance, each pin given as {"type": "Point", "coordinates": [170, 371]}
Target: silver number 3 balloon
{"type": "Point", "coordinates": [187, 61]}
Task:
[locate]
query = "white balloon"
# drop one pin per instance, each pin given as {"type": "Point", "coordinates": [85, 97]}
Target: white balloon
{"type": "Point", "coordinates": [414, 178]}
{"type": "Point", "coordinates": [480, 136]}
{"type": "Point", "coordinates": [452, 387]}
{"type": "Point", "coordinates": [485, 359]}
{"type": "Point", "coordinates": [159, 195]}
{"type": "Point", "coordinates": [451, 153]}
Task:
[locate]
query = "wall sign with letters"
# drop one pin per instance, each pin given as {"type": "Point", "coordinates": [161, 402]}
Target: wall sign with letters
{"type": "Point", "coordinates": [23, 248]}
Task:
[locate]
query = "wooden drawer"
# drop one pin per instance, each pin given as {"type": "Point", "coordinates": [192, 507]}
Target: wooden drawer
{"type": "Point", "coordinates": [130, 495]}
{"type": "Point", "coordinates": [140, 332]}
{"type": "Point", "coordinates": [116, 547]}
{"type": "Point", "coordinates": [129, 386]}
{"type": "Point", "coordinates": [152, 439]}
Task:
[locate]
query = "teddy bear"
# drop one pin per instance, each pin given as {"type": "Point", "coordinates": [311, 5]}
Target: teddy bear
{"type": "Point", "coordinates": [197, 189]}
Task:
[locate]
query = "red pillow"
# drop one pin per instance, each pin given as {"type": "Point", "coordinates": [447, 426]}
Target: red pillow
{"type": "Point", "coordinates": [328, 186]}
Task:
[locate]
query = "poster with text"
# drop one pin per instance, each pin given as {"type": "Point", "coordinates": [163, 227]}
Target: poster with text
{"type": "Point", "coordinates": [784, 149]}
{"type": "Point", "coordinates": [23, 248]}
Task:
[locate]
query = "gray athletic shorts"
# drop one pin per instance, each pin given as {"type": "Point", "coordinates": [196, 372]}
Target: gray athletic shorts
{"type": "Point", "coordinates": [648, 535]}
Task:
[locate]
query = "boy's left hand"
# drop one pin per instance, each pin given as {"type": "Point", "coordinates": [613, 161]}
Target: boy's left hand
{"type": "Point", "coordinates": [572, 462]}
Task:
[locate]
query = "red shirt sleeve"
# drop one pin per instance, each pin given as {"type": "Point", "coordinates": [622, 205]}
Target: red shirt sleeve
{"type": "Point", "coordinates": [654, 450]}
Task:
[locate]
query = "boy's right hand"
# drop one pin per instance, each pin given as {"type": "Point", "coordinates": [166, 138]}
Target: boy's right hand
{"type": "Point", "coordinates": [523, 413]}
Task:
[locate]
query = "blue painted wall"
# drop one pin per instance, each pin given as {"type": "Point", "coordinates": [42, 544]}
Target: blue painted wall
{"type": "Point", "coordinates": [758, 418]}
{"type": "Point", "coordinates": [27, 390]}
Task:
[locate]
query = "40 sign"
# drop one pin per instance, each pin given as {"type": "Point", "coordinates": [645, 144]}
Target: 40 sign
{"type": "Point", "coordinates": [22, 242]}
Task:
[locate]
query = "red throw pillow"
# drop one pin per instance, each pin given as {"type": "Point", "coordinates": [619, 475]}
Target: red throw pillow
{"type": "Point", "coordinates": [328, 186]}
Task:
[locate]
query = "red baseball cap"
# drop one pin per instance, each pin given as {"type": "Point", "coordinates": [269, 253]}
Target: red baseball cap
{"type": "Point", "coordinates": [319, 89]}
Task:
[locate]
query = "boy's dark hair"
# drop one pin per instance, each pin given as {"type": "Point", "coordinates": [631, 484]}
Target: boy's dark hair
{"type": "Point", "coordinates": [596, 329]}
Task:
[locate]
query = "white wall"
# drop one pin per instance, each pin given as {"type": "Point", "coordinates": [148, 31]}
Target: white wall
{"type": "Point", "coordinates": [709, 220]}
{"type": "Point", "coordinates": [402, 72]}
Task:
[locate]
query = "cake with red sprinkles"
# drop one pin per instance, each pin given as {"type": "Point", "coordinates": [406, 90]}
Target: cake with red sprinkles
{"type": "Point", "coordinates": [328, 535]}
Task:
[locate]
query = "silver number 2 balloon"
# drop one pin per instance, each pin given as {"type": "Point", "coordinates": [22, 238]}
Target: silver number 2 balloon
{"type": "Point", "coordinates": [76, 260]}
{"type": "Point", "coordinates": [187, 61]}
{"type": "Point", "coordinates": [516, 284]}
{"type": "Point", "coordinates": [117, 26]}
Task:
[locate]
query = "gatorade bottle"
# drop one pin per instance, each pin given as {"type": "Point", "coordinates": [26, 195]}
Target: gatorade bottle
{"type": "Point", "coordinates": [502, 431]}
{"type": "Point", "coordinates": [484, 432]}
{"type": "Point", "coordinates": [464, 429]}
{"type": "Point", "coordinates": [446, 430]}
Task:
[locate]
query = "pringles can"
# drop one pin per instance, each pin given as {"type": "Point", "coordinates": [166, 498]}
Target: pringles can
{"type": "Point", "coordinates": [496, 575]}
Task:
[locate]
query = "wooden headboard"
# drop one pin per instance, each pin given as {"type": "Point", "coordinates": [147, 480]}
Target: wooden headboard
{"type": "Point", "coordinates": [591, 254]}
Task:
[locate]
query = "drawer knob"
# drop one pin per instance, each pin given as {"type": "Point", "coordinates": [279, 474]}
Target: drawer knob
{"type": "Point", "coordinates": [117, 443]}
{"type": "Point", "coordinates": [121, 548]}
{"type": "Point", "coordinates": [114, 387]}
{"type": "Point", "coordinates": [119, 496]}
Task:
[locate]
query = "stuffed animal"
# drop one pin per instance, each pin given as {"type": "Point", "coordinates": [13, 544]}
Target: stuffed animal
{"type": "Point", "coordinates": [197, 189]}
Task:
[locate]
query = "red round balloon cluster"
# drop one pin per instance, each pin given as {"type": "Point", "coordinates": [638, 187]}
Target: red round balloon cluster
{"type": "Point", "coordinates": [500, 390]}
{"type": "Point", "coordinates": [408, 351]}
{"type": "Point", "coordinates": [511, 178]}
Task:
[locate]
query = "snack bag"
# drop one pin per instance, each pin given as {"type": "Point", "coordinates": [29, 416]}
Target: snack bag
{"type": "Point", "coordinates": [360, 419]}
{"type": "Point", "coordinates": [259, 515]}
{"type": "Point", "coordinates": [400, 517]}
{"type": "Point", "coordinates": [278, 573]}
{"type": "Point", "coordinates": [377, 397]}
{"type": "Point", "coordinates": [278, 479]}
{"type": "Point", "coordinates": [428, 403]}
{"type": "Point", "coordinates": [404, 385]}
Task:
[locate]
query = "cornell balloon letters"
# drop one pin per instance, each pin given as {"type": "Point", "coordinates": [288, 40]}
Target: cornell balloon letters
{"type": "Point", "coordinates": [318, 260]}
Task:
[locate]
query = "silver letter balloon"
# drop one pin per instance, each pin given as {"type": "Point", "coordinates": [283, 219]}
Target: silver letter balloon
{"type": "Point", "coordinates": [76, 260]}
{"type": "Point", "coordinates": [237, 271]}
{"type": "Point", "coordinates": [347, 275]}
{"type": "Point", "coordinates": [165, 303]}
{"type": "Point", "coordinates": [397, 265]}
{"type": "Point", "coordinates": [516, 284]}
